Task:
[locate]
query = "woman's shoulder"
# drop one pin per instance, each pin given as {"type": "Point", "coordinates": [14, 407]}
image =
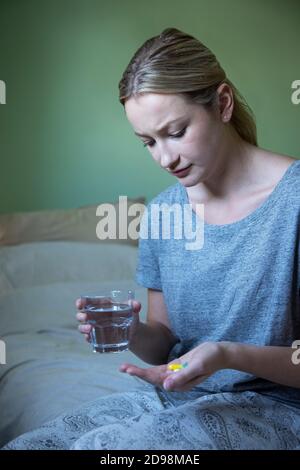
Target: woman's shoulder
{"type": "Point", "coordinates": [276, 167]}
{"type": "Point", "coordinates": [275, 164]}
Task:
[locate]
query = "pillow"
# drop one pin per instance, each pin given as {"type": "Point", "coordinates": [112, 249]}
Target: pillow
{"type": "Point", "coordinates": [41, 263]}
{"type": "Point", "coordinates": [67, 224]}
{"type": "Point", "coordinates": [53, 305]}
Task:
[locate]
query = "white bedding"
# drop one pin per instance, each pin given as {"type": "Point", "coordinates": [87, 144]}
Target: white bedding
{"type": "Point", "coordinates": [50, 368]}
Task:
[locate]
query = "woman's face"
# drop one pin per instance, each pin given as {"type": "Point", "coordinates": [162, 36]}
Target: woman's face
{"type": "Point", "coordinates": [178, 134]}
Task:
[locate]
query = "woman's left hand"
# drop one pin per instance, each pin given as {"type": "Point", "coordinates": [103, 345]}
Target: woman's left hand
{"type": "Point", "coordinates": [200, 363]}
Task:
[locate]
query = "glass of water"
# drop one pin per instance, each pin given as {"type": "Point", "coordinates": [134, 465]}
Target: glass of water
{"type": "Point", "coordinates": [111, 314]}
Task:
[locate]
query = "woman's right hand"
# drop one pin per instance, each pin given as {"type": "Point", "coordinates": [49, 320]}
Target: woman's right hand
{"type": "Point", "coordinates": [85, 328]}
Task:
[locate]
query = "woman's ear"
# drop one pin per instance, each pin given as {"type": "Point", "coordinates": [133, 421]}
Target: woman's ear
{"type": "Point", "coordinates": [225, 101]}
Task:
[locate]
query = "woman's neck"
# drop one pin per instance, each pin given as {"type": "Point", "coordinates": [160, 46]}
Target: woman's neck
{"type": "Point", "coordinates": [234, 169]}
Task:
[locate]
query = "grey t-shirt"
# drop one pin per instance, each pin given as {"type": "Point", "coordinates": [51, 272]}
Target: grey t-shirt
{"type": "Point", "coordinates": [243, 285]}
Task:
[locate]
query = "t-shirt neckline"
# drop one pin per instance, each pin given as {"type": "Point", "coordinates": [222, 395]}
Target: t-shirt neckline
{"type": "Point", "coordinates": [254, 215]}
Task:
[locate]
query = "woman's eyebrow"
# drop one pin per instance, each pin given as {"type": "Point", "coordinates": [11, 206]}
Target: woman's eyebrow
{"type": "Point", "coordinates": [163, 127]}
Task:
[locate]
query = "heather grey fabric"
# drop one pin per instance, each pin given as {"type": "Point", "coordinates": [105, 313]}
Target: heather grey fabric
{"type": "Point", "coordinates": [242, 285]}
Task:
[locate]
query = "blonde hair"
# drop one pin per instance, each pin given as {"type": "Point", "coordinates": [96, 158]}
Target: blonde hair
{"type": "Point", "coordinates": [175, 62]}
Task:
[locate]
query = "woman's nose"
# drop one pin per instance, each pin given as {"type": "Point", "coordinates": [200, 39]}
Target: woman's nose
{"type": "Point", "coordinates": [168, 160]}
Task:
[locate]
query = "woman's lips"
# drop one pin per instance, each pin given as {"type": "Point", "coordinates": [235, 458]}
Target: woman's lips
{"type": "Point", "coordinates": [182, 172]}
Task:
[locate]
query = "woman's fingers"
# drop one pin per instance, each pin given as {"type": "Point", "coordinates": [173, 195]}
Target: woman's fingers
{"type": "Point", "coordinates": [124, 367]}
{"type": "Point", "coordinates": [154, 375]}
{"type": "Point", "coordinates": [133, 370]}
{"type": "Point", "coordinates": [85, 328]}
{"type": "Point", "coordinates": [82, 317]}
{"type": "Point", "coordinates": [136, 306]}
{"type": "Point", "coordinates": [139, 372]}
{"type": "Point", "coordinates": [80, 303]}
{"type": "Point", "coordinates": [181, 383]}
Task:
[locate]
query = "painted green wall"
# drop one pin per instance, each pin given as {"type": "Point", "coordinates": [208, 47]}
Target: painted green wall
{"type": "Point", "coordinates": [64, 138]}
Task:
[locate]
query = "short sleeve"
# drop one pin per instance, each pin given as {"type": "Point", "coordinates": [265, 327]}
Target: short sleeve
{"type": "Point", "coordinates": [147, 270]}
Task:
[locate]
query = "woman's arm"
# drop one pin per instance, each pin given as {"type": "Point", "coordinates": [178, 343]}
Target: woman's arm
{"type": "Point", "coordinates": [274, 363]}
{"type": "Point", "coordinates": [277, 364]}
{"type": "Point", "coordinates": [153, 340]}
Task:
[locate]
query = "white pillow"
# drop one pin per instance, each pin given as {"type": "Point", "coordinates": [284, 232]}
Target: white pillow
{"type": "Point", "coordinates": [77, 224]}
{"type": "Point", "coordinates": [41, 263]}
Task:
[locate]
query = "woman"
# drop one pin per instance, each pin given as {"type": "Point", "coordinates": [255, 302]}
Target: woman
{"type": "Point", "coordinates": [228, 312]}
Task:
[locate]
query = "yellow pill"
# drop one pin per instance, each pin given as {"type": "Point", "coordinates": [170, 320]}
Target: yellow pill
{"type": "Point", "coordinates": [175, 366]}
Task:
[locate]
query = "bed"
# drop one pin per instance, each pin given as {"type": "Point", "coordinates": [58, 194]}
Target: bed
{"type": "Point", "coordinates": [49, 367]}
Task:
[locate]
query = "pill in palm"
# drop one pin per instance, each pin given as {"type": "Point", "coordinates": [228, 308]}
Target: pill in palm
{"type": "Point", "coordinates": [177, 366]}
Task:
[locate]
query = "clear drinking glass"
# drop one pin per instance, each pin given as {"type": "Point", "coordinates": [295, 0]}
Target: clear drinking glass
{"type": "Point", "coordinates": [111, 314]}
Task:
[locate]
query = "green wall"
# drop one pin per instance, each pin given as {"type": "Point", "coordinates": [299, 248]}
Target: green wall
{"type": "Point", "coordinates": [64, 137]}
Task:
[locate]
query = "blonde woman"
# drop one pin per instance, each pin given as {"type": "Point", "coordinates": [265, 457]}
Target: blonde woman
{"type": "Point", "coordinates": [222, 318]}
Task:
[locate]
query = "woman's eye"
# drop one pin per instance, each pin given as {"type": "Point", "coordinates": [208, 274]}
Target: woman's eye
{"type": "Point", "coordinates": [180, 134]}
{"type": "Point", "coordinates": [148, 144]}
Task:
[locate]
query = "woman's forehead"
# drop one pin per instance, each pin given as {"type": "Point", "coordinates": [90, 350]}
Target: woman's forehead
{"type": "Point", "coordinates": [156, 110]}
{"type": "Point", "coordinates": [155, 100]}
